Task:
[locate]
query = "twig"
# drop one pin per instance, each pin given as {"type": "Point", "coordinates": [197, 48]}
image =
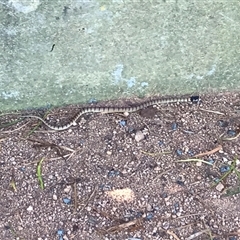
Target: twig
{"type": "Point", "coordinates": [161, 174]}
{"type": "Point", "coordinates": [211, 111]}
{"type": "Point", "coordinates": [88, 200]}
{"type": "Point", "coordinates": [209, 152]}
{"type": "Point", "coordinates": [75, 196]}
{"type": "Point", "coordinates": [194, 160]}
{"type": "Point", "coordinates": [49, 159]}
{"type": "Point", "coordinates": [154, 154]}
{"type": "Point", "coordinates": [197, 234]}
{"type": "Point", "coordinates": [14, 130]}
{"type": "Point", "coordinates": [124, 225]}
{"type": "Point", "coordinates": [172, 234]}
{"type": "Point", "coordinates": [184, 226]}
{"type": "Point", "coordinates": [190, 215]}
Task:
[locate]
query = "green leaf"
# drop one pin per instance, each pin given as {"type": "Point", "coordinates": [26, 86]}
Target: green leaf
{"type": "Point", "coordinates": [39, 173]}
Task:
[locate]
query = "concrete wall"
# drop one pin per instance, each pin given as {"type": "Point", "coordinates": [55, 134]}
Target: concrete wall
{"type": "Point", "coordinates": [71, 51]}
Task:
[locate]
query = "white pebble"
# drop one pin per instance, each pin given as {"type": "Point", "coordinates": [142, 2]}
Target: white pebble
{"type": "Point", "coordinates": [109, 153]}
{"type": "Point", "coordinates": [139, 136]}
{"type": "Point", "coordinates": [199, 164]}
{"type": "Point", "coordinates": [67, 189]}
{"type": "Point", "coordinates": [220, 187]}
{"type": "Point", "coordinates": [30, 208]}
{"type": "Point", "coordinates": [224, 159]}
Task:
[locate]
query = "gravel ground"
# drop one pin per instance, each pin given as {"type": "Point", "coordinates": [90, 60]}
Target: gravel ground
{"type": "Point", "coordinates": [118, 177]}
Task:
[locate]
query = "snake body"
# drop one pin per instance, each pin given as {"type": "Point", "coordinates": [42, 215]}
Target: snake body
{"type": "Point", "coordinates": [94, 109]}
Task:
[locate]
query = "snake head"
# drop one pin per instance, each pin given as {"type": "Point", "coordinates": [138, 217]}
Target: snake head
{"type": "Point", "coordinates": [195, 99]}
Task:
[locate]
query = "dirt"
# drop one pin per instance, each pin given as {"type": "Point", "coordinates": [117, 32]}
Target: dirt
{"type": "Point", "coordinates": [118, 177]}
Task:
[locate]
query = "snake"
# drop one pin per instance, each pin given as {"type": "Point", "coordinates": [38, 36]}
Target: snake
{"type": "Point", "coordinates": [115, 109]}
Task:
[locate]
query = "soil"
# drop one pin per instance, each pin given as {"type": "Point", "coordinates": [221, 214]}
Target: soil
{"type": "Point", "coordinates": [132, 177]}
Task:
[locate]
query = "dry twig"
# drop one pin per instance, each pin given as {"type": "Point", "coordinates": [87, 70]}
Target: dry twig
{"type": "Point", "coordinates": [209, 152]}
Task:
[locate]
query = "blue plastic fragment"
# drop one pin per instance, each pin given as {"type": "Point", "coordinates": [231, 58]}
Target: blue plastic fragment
{"type": "Point", "coordinates": [191, 153]}
{"type": "Point", "coordinates": [224, 168]}
{"type": "Point", "coordinates": [67, 200]}
{"type": "Point", "coordinates": [179, 182]}
{"type": "Point", "coordinates": [176, 207]}
{"type": "Point", "coordinates": [22, 169]}
{"type": "Point", "coordinates": [60, 232]}
{"type": "Point", "coordinates": [123, 123]}
{"type": "Point", "coordinates": [149, 216]}
{"type": "Point", "coordinates": [222, 123]}
{"type": "Point", "coordinates": [216, 180]}
{"type": "Point", "coordinates": [139, 214]}
{"type": "Point", "coordinates": [113, 173]}
{"type": "Point", "coordinates": [231, 133]}
{"type": "Point", "coordinates": [174, 126]}
{"type": "Point", "coordinates": [105, 187]}
{"type": "Point", "coordinates": [210, 160]}
{"type": "Point", "coordinates": [131, 129]}
{"type": "Point", "coordinates": [164, 195]}
{"type": "Point", "coordinates": [233, 238]}
{"type": "Point", "coordinates": [179, 152]}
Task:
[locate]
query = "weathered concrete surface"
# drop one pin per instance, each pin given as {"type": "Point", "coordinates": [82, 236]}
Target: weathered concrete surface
{"type": "Point", "coordinates": [111, 49]}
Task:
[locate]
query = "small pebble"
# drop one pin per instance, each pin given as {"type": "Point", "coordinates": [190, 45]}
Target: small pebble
{"type": "Point", "coordinates": [165, 225]}
{"type": "Point", "coordinates": [220, 187]}
{"type": "Point", "coordinates": [198, 177]}
{"type": "Point", "coordinates": [88, 209]}
{"type": "Point", "coordinates": [225, 159]}
{"type": "Point", "coordinates": [149, 207]}
{"type": "Point", "coordinates": [54, 197]}
{"type": "Point", "coordinates": [109, 152]}
{"type": "Point", "coordinates": [67, 189]}
{"type": "Point", "coordinates": [198, 164]}
{"type": "Point", "coordinates": [30, 208]}
{"type": "Point", "coordinates": [139, 136]}
{"type": "Point", "coordinates": [20, 228]}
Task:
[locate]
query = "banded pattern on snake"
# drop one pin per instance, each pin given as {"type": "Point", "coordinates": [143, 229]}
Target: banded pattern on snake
{"type": "Point", "coordinates": [94, 109]}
